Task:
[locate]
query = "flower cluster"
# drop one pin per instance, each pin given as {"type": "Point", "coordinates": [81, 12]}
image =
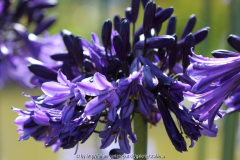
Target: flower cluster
{"type": "Point", "coordinates": [110, 81]}
{"type": "Point", "coordinates": [19, 46]}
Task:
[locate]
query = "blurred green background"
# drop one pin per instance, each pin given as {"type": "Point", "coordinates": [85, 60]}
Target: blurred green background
{"type": "Point", "coordinates": [82, 17]}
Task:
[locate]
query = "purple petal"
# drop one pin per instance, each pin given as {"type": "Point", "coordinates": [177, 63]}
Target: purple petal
{"type": "Point", "coordinates": [52, 88]}
{"type": "Point", "coordinates": [67, 113]}
{"type": "Point", "coordinates": [95, 106]}
{"type": "Point", "coordinates": [101, 82]}
{"type": "Point", "coordinates": [124, 143]}
{"type": "Point", "coordinates": [89, 89]}
{"type": "Point", "coordinates": [108, 138]}
{"type": "Point", "coordinates": [126, 111]}
{"type": "Point", "coordinates": [58, 98]}
{"type": "Point", "coordinates": [62, 78]}
{"type": "Point", "coordinates": [210, 133]}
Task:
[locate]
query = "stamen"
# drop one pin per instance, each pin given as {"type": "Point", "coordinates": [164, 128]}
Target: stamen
{"type": "Point", "coordinates": [105, 101]}
{"type": "Point", "coordinates": [120, 137]}
{"type": "Point", "coordinates": [114, 132]}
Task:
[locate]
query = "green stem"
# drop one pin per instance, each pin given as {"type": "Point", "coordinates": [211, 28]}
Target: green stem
{"type": "Point", "coordinates": [141, 130]}
{"type": "Point", "coordinates": [230, 130]}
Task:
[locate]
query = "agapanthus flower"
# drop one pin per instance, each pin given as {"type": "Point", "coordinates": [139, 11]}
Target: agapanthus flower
{"type": "Point", "coordinates": [17, 42]}
{"type": "Point", "coordinates": [112, 80]}
{"type": "Point", "coordinates": [217, 81]}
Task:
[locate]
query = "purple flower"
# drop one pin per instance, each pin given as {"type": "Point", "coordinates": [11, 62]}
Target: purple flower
{"type": "Point", "coordinates": [217, 79]}
{"type": "Point", "coordinates": [106, 96]}
{"type": "Point", "coordinates": [131, 92]}
{"type": "Point", "coordinates": [35, 123]}
{"type": "Point", "coordinates": [118, 130]}
{"type": "Point", "coordinates": [61, 91]}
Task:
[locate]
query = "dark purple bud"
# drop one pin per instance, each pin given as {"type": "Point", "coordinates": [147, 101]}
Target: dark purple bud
{"type": "Point", "coordinates": [128, 13]}
{"type": "Point", "coordinates": [201, 34]}
{"type": "Point", "coordinates": [137, 34]}
{"type": "Point", "coordinates": [68, 39]}
{"type": "Point", "coordinates": [171, 25]}
{"type": "Point", "coordinates": [224, 54]}
{"type": "Point", "coordinates": [162, 15]}
{"type": "Point", "coordinates": [38, 16]}
{"type": "Point", "coordinates": [166, 81]}
{"type": "Point", "coordinates": [149, 13]}
{"type": "Point", "coordinates": [188, 44]}
{"type": "Point", "coordinates": [189, 26]}
{"type": "Point", "coordinates": [106, 33]}
{"type": "Point", "coordinates": [67, 70]}
{"type": "Point", "coordinates": [117, 23]}
{"type": "Point", "coordinates": [144, 3]}
{"type": "Point", "coordinates": [135, 9]}
{"type": "Point", "coordinates": [119, 48]}
{"type": "Point", "coordinates": [42, 71]}
{"type": "Point", "coordinates": [125, 33]}
{"type": "Point", "coordinates": [116, 153]}
{"type": "Point", "coordinates": [42, 4]}
{"type": "Point", "coordinates": [21, 8]}
{"type": "Point", "coordinates": [172, 60]}
{"type": "Point", "coordinates": [234, 41]}
{"type": "Point", "coordinates": [45, 24]}
{"type": "Point", "coordinates": [150, 78]}
{"type": "Point", "coordinates": [62, 57]}
{"type": "Point", "coordinates": [156, 42]}
{"type": "Point", "coordinates": [159, 8]}
{"type": "Point", "coordinates": [158, 27]}
{"type": "Point", "coordinates": [78, 50]}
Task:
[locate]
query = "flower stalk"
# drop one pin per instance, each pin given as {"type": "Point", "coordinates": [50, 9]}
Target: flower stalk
{"type": "Point", "coordinates": [141, 130]}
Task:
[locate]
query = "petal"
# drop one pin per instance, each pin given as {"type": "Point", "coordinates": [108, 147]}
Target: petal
{"type": "Point", "coordinates": [58, 98]}
{"type": "Point", "coordinates": [100, 81]}
{"type": "Point", "coordinates": [67, 113]}
{"type": "Point", "coordinates": [112, 113]}
{"type": "Point", "coordinates": [89, 89]}
{"type": "Point", "coordinates": [52, 88]}
{"type": "Point", "coordinates": [124, 143]}
{"type": "Point", "coordinates": [62, 78]}
{"type": "Point", "coordinates": [108, 138]}
{"type": "Point", "coordinates": [210, 133]}
{"type": "Point", "coordinates": [41, 118]}
{"type": "Point", "coordinates": [95, 106]}
{"type": "Point", "coordinates": [127, 111]}
{"type": "Point", "coordinates": [143, 105]}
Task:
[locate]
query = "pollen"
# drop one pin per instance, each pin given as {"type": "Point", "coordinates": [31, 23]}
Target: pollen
{"type": "Point", "coordinates": [68, 108]}
{"type": "Point", "coordinates": [105, 101]}
{"type": "Point", "coordinates": [134, 97]}
{"type": "Point", "coordinates": [120, 137]}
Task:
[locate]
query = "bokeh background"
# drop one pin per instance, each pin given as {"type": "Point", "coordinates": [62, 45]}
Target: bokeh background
{"type": "Point", "coordinates": [82, 17]}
